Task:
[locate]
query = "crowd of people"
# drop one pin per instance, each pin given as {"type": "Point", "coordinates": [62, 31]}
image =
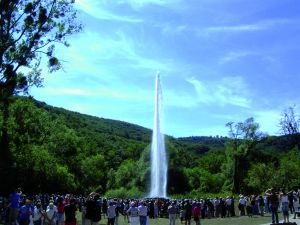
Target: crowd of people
{"type": "Point", "coordinates": [46, 209]}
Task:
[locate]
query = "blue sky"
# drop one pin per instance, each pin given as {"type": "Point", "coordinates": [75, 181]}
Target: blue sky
{"type": "Point", "coordinates": [219, 60]}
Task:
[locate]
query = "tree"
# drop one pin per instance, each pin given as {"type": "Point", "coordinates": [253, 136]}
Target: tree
{"type": "Point", "coordinates": [29, 32]}
{"type": "Point", "coordinates": [290, 125]}
{"type": "Point", "coordinates": [244, 136]}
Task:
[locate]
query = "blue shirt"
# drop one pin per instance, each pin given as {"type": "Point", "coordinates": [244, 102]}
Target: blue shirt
{"type": "Point", "coordinates": [14, 200]}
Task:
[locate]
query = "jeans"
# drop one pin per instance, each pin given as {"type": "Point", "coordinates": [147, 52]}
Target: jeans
{"type": "Point", "coordinates": [274, 213]}
{"type": "Point", "coordinates": [172, 218]}
{"type": "Point", "coordinates": [143, 220]}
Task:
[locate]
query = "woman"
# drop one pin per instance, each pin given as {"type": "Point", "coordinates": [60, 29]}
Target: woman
{"type": "Point", "coordinates": [285, 206]}
{"type": "Point", "coordinates": [197, 213]}
{"type": "Point", "coordinates": [133, 214]}
{"type": "Point", "coordinates": [51, 213]}
{"type": "Point", "coordinates": [38, 214]}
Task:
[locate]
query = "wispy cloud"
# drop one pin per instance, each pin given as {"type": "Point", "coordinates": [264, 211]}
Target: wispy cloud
{"type": "Point", "coordinates": [261, 25]}
{"type": "Point", "coordinates": [227, 91]}
{"type": "Point", "coordinates": [97, 10]}
{"type": "Point", "coordinates": [268, 120]}
{"type": "Point", "coordinates": [232, 56]}
{"type": "Point", "coordinates": [99, 92]}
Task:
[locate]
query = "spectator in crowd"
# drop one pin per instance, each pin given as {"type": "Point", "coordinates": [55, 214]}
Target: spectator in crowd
{"type": "Point", "coordinates": [274, 202]}
{"type": "Point", "coordinates": [284, 198]}
{"type": "Point", "coordinates": [24, 213]}
{"type": "Point", "coordinates": [60, 210]}
{"type": "Point", "coordinates": [242, 205]}
{"type": "Point", "coordinates": [261, 205]}
{"type": "Point", "coordinates": [143, 211]}
{"type": "Point", "coordinates": [217, 207]}
{"type": "Point", "coordinates": [70, 212]}
{"type": "Point", "coordinates": [172, 211]}
{"type": "Point", "coordinates": [111, 213]}
{"type": "Point", "coordinates": [133, 213]}
{"type": "Point", "coordinates": [38, 214]}
{"type": "Point", "coordinates": [14, 199]}
{"type": "Point", "coordinates": [125, 208]}
{"type": "Point", "coordinates": [182, 211]}
{"type": "Point", "coordinates": [188, 212]}
{"type": "Point", "coordinates": [93, 210]}
{"type": "Point", "coordinates": [228, 203]}
{"type": "Point", "coordinates": [266, 203]}
{"type": "Point", "coordinates": [197, 213]}
{"type": "Point", "coordinates": [51, 214]}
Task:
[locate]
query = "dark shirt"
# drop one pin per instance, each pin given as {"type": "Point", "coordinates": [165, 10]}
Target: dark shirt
{"type": "Point", "coordinates": [70, 213]}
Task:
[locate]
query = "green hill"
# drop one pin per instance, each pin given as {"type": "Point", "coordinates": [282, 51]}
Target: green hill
{"type": "Point", "coordinates": [65, 151]}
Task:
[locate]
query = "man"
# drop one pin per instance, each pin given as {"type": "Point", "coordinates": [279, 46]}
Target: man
{"type": "Point", "coordinates": [188, 212]}
{"type": "Point", "coordinates": [14, 199]}
{"type": "Point", "coordinates": [24, 213]}
{"type": "Point", "coordinates": [242, 204]}
{"type": "Point", "coordinates": [111, 213]}
{"type": "Point", "coordinates": [70, 212]}
{"type": "Point", "coordinates": [93, 210]}
{"type": "Point", "coordinates": [172, 210]}
{"type": "Point", "coordinates": [142, 211]}
{"type": "Point", "coordinates": [274, 202]}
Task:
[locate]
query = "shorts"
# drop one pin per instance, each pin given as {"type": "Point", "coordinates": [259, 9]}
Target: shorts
{"type": "Point", "coordinates": [60, 217]}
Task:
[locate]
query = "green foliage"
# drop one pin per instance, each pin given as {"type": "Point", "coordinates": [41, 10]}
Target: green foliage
{"type": "Point", "coordinates": [70, 152]}
{"type": "Point", "coordinates": [125, 193]}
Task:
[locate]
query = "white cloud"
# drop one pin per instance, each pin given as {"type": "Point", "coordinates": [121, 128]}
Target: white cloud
{"type": "Point", "coordinates": [227, 91]}
{"type": "Point", "coordinates": [268, 120]}
{"type": "Point", "coordinates": [232, 56]}
{"type": "Point", "coordinates": [97, 10]}
{"type": "Point", "coordinates": [100, 92]}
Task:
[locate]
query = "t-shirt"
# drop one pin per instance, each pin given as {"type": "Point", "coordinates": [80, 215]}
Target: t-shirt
{"type": "Point", "coordinates": [25, 212]}
{"type": "Point", "coordinates": [133, 211]}
{"type": "Point", "coordinates": [50, 212]}
{"type": "Point", "coordinates": [70, 213]}
{"type": "Point", "coordinates": [242, 201]}
{"type": "Point", "coordinates": [172, 209]}
{"type": "Point", "coordinates": [14, 200]}
{"type": "Point", "coordinates": [142, 210]}
{"type": "Point", "coordinates": [36, 214]}
{"type": "Point", "coordinates": [111, 211]}
{"type": "Point", "coordinates": [273, 199]}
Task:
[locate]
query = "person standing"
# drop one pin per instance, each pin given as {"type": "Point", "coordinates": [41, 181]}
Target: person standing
{"type": "Point", "coordinates": [38, 214]}
{"type": "Point", "coordinates": [274, 202]}
{"type": "Point", "coordinates": [133, 214]}
{"type": "Point", "coordinates": [51, 213]}
{"type": "Point", "coordinates": [93, 209]}
{"type": "Point", "coordinates": [24, 213]}
{"type": "Point", "coordinates": [241, 206]}
{"type": "Point", "coordinates": [197, 213]}
{"type": "Point", "coordinates": [172, 211]}
{"type": "Point", "coordinates": [14, 199]}
{"type": "Point", "coordinates": [188, 212]}
{"type": "Point", "coordinates": [70, 212]}
{"type": "Point", "coordinates": [284, 197]}
{"type": "Point", "coordinates": [111, 213]}
{"type": "Point", "coordinates": [143, 211]}
{"type": "Point", "coordinates": [60, 210]}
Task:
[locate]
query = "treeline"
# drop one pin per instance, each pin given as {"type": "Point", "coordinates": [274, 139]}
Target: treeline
{"type": "Point", "coordinates": [55, 150]}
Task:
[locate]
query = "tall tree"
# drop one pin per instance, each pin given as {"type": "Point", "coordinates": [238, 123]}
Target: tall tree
{"type": "Point", "coordinates": [290, 126]}
{"type": "Point", "coordinates": [244, 136]}
{"type": "Point", "coordinates": [29, 32]}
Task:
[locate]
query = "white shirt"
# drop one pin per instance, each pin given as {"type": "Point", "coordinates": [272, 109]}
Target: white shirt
{"type": "Point", "coordinates": [111, 211]}
{"type": "Point", "coordinates": [142, 210]}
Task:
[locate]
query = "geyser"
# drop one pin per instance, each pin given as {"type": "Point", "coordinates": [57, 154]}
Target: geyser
{"type": "Point", "coordinates": [159, 162]}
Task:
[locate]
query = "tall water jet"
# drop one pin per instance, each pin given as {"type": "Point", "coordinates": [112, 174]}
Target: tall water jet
{"type": "Point", "coordinates": [159, 162]}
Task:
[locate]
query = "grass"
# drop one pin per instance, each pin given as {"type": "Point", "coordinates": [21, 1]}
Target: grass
{"type": "Point", "coordinates": [244, 220]}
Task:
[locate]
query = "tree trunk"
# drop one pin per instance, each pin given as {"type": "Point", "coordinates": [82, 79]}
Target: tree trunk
{"type": "Point", "coordinates": [6, 173]}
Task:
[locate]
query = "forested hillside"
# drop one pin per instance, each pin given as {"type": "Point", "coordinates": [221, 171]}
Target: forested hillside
{"type": "Point", "coordinates": [56, 150]}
